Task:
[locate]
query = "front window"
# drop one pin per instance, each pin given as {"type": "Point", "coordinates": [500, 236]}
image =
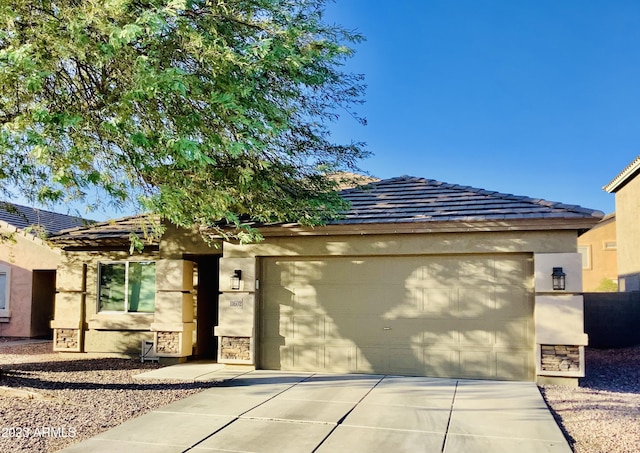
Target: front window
{"type": "Point", "coordinates": [128, 287]}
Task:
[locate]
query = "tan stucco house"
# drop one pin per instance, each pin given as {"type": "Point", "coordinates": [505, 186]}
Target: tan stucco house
{"type": "Point", "coordinates": [419, 277]}
{"type": "Point", "coordinates": [28, 269]}
{"type": "Point", "coordinates": [598, 248]}
{"type": "Point", "coordinates": [626, 186]}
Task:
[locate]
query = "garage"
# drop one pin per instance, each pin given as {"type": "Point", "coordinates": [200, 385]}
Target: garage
{"type": "Point", "coordinates": [432, 315]}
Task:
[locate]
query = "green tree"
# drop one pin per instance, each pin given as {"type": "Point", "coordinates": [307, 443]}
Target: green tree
{"type": "Point", "coordinates": [199, 111]}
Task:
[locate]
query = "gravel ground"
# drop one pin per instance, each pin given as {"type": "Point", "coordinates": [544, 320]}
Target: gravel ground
{"type": "Point", "coordinates": [50, 400]}
{"type": "Point", "coordinates": [603, 414]}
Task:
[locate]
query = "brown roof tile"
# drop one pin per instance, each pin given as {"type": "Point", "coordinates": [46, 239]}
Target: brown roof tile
{"type": "Point", "coordinates": [410, 199]}
{"type": "Point", "coordinates": [404, 199]}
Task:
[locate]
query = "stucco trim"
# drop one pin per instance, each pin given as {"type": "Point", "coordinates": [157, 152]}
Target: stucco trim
{"type": "Point", "coordinates": [124, 321]}
{"type": "Point", "coordinates": [431, 227]}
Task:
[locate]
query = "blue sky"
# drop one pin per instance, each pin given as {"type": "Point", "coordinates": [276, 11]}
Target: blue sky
{"type": "Point", "coordinates": [537, 98]}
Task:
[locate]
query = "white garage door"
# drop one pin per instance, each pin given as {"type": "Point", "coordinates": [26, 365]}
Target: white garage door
{"type": "Point", "coordinates": [450, 316]}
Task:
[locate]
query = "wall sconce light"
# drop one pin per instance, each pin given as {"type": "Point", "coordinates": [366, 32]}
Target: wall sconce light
{"type": "Point", "coordinates": [558, 278]}
{"type": "Point", "coordinates": [235, 279]}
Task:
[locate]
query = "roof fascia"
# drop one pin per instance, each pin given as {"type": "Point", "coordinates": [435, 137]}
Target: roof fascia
{"type": "Point", "coordinates": [432, 227]}
{"type": "Point", "coordinates": [624, 176]}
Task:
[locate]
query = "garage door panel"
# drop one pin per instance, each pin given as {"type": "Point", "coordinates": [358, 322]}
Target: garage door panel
{"type": "Point", "coordinates": [280, 299]}
{"type": "Point", "coordinates": [440, 272]}
{"type": "Point", "coordinates": [304, 327]}
{"type": "Point", "coordinates": [365, 271]}
{"type": "Point", "coordinates": [476, 272]}
{"type": "Point", "coordinates": [473, 335]}
{"type": "Point", "coordinates": [439, 300]}
{"type": "Point", "coordinates": [275, 326]}
{"type": "Point", "coordinates": [344, 298]}
{"type": "Point", "coordinates": [512, 272]}
{"type": "Point", "coordinates": [441, 362]}
{"type": "Point", "coordinates": [436, 333]}
{"type": "Point", "coordinates": [372, 359]}
{"type": "Point", "coordinates": [406, 361]}
{"type": "Point", "coordinates": [512, 301]}
{"type": "Point", "coordinates": [477, 302]}
{"type": "Point", "coordinates": [306, 357]}
{"type": "Point", "coordinates": [510, 364]}
{"type": "Point", "coordinates": [339, 358]}
{"type": "Point", "coordinates": [427, 315]}
{"type": "Point", "coordinates": [515, 333]}
{"type": "Point", "coordinates": [477, 364]}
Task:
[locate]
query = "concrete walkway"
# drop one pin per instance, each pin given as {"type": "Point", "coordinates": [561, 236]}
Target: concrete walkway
{"type": "Point", "coordinates": [8, 343]}
{"type": "Point", "coordinates": [278, 412]}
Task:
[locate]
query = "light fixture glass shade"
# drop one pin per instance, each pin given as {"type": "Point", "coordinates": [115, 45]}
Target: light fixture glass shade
{"type": "Point", "coordinates": [235, 279]}
{"type": "Point", "coordinates": [558, 278]}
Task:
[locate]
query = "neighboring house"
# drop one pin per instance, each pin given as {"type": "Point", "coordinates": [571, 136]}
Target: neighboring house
{"type": "Point", "coordinates": [419, 277]}
{"type": "Point", "coordinates": [598, 248]}
{"type": "Point", "coordinates": [28, 269]}
{"type": "Point", "coordinates": [626, 187]}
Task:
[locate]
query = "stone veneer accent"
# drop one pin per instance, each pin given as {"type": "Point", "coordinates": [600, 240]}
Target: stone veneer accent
{"type": "Point", "coordinates": [560, 358]}
{"type": "Point", "coordinates": [235, 348]}
{"type": "Point", "coordinates": [168, 343]}
{"type": "Point", "coordinates": [67, 339]}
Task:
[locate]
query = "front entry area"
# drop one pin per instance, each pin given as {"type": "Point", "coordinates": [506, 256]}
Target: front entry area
{"type": "Point", "coordinates": [461, 316]}
{"type": "Point", "coordinates": [206, 306]}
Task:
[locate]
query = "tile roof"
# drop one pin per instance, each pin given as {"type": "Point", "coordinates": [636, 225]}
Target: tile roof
{"type": "Point", "coordinates": [409, 199]}
{"type": "Point", "coordinates": [110, 232]}
{"type": "Point", "coordinates": [22, 217]}
{"type": "Point", "coordinates": [404, 199]}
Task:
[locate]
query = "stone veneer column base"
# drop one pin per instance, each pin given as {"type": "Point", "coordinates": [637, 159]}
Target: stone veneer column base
{"type": "Point", "coordinates": [168, 343]}
{"type": "Point", "coordinates": [560, 358]}
{"type": "Point", "coordinates": [66, 340]}
{"type": "Point", "coordinates": [235, 349]}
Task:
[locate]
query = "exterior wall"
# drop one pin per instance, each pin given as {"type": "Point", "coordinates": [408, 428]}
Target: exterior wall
{"type": "Point", "coordinates": [174, 327]}
{"type": "Point", "coordinates": [78, 326]}
{"type": "Point", "coordinates": [237, 312]}
{"type": "Point", "coordinates": [600, 262]}
{"type": "Point", "coordinates": [23, 254]}
{"type": "Point", "coordinates": [409, 244]}
{"type": "Point", "coordinates": [559, 317]}
{"type": "Point", "coordinates": [76, 308]}
{"type": "Point", "coordinates": [628, 235]}
{"type": "Point", "coordinates": [238, 316]}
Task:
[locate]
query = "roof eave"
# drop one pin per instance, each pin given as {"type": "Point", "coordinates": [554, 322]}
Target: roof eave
{"type": "Point", "coordinates": [624, 176]}
{"type": "Point", "coordinates": [580, 224]}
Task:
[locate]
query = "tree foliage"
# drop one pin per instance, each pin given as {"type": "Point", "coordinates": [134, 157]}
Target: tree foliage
{"type": "Point", "coordinates": [197, 110]}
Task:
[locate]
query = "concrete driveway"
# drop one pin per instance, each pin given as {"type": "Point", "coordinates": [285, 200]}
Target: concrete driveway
{"type": "Point", "coordinates": [278, 412]}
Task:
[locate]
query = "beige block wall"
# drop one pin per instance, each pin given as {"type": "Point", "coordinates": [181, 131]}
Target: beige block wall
{"type": "Point", "coordinates": [22, 255]}
{"type": "Point", "coordinates": [628, 235]}
{"type": "Point", "coordinates": [176, 243]}
{"type": "Point", "coordinates": [559, 315]}
{"type": "Point", "coordinates": [237, 310]}
{"type": "Point", "coordinates": [409, 244]}
{"type": "Point", "coordinates": [571, 264]}
{"type": "Point", "coordinates": [603, 263]}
